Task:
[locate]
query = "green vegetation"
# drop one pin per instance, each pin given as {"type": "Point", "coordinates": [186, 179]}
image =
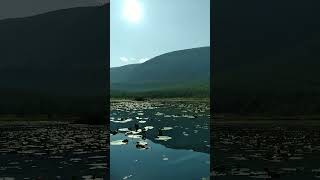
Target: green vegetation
{"type": "Point", "coordinates": [201, 90]}
{"type": "Point", "coordinates": [271, 64]}
{"type": "Point", "coordinates": [53, 63]}
{"type": "Point", "coordinates": [184, 73]}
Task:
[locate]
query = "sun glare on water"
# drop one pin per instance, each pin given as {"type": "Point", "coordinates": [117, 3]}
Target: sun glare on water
{"type": "Point", "coordinates": [132, 11]}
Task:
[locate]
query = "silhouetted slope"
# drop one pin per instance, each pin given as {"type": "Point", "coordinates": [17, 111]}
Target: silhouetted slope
{"type": "Point", "coordinates": [267, 57]}
{"type": "Point", "coordinates": [171, 72]}
{"type": "Point", "coordinates": [55, 60]}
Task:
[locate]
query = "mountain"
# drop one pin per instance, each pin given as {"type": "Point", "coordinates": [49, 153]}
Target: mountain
{"type": "Point", "coordinates": [18, 8]}
{"type": "Point", "coordinates": [55, 62]}
{"type": "Point", "coordinates": [267, 57]}
{"type": "Point", "coordinates": [172, 72]}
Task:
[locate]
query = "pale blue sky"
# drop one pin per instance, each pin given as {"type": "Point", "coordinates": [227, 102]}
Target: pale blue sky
{"type": "Point", "coordinates": [164, 26]}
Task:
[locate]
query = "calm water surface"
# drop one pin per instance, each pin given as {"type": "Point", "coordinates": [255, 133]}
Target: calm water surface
{"type": "Point", "coordinates": [266, 150]}
{"type": "Point", "coordinates": [53, 150]}
{"type": "Point", "coordinates": [184, 156]}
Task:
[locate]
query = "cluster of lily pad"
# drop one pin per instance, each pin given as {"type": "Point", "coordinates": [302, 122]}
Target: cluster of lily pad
{"type": "Point", "coordinates": [128, 112]}
{"type": "Point", "coordinates": [66, 145]}
{"type": "Point", "coordinates": [265, 151]}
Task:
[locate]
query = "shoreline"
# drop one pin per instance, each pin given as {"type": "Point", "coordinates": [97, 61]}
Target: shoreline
{"type": "Point", "coordinates": [160, 99]}
{"type": "Point", "coordinates": [255, 117]}
{"type": "Point", "coordinates": [266, 120]}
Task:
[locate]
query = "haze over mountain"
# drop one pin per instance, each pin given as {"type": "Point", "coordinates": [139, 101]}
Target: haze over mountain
{"type": "Point", "coordinates": [55, 62]}
{"type": "Point", "coordinates": [267, 57]}
{"type": "Point", "coordinates": [177, 71]}
{"type": "Point", "coordinates": [162, 26]}
{"type": "Point", "coordinates": [22, 8]}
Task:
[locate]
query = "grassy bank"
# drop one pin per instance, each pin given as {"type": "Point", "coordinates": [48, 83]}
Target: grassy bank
{"type": "Point", "coordinates": [265, 117]}
{"type": "Point", "coordinates": [177, 99]}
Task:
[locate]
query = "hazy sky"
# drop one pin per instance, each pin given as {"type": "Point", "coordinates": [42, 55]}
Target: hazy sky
{"type": "Point", "coordinates": [142, 29]}
{"type": "Point", "coordinates": [23, 8]}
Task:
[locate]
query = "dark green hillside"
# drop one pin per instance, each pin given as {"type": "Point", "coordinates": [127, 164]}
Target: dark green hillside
{"type": "Point", "coordinates": [179, 73]}
{"type": "Point", "coordinates": [267, 57]}
{"type": "Point", "coordinates": [55, 62]}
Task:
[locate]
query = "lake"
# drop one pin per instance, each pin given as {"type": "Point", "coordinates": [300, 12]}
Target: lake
{"type": "Point", "coordinates": [180, 151]}
{"type": "Point", "coordinates": [53, 150]}
{"type": "Point", "coordinates": [259, 149]}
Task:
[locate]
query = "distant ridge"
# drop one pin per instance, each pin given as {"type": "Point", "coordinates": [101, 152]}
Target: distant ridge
{"type": "Point", "coordinates": [55, 62]}
{"type": "Point", "coordinates": [174, 72]}
{"type": "Point", "coordinates": [12, 9]}
{"type": "Point", "coordinates": [267, 57]}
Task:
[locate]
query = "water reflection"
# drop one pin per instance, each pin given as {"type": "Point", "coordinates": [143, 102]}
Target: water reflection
{"type": "Point", "coordinates": [277, 149]}
{"type": "Point", "coordinates": [53, 150]}
{"type": "Point", "coordinates": [159, 136]}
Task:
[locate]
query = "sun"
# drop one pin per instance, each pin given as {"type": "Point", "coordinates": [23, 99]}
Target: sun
{"type": "Point", "coordinates": [132, 11]}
